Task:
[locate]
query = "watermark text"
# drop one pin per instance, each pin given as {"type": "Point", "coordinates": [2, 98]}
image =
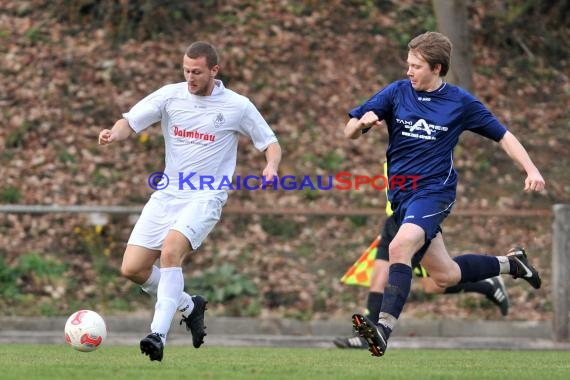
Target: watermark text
{"type": "Point", "coordinates": [340, 181]}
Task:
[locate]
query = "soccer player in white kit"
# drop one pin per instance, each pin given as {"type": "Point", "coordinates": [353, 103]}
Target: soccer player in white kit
{"type": "Point", "coordinates": [201, 121]}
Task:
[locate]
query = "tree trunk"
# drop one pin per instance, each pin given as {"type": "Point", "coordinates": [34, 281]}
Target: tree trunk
{"type": "Point", "coordinates": [451, 16]}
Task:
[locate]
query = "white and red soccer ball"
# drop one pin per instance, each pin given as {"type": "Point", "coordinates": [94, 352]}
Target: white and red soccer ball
{"type": "Point", "coordinates": [85, 330]}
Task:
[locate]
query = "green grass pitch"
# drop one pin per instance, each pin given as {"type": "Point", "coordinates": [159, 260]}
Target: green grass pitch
{"type": "Point", "coordinates": [59, 362]}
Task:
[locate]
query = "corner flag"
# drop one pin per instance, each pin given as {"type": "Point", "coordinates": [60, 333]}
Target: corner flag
{"type": "Point", "coordinates": [360, 273]}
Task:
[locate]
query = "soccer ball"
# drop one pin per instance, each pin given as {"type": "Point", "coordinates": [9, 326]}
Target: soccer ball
{"type": "Point", "coordinates": [85, 330]}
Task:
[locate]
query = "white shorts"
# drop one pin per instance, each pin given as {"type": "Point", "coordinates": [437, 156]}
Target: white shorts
{"type": "Point", "coordinates": [193, 217]}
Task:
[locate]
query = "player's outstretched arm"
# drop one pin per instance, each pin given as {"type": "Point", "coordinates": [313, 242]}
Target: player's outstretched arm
{"type": "Point", "coordinates": [120, 131]}
{"type": "Point", "coordinates": [273, 157]}
{"type": "Point", "coordinates": [515, 150]}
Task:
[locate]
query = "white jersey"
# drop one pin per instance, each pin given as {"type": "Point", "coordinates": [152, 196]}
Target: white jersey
{"type": "Point", "coordinates": [201, 134]}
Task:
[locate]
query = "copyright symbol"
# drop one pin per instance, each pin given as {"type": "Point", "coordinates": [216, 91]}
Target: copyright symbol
{"type": "Point", "coordinates": [158, 181]}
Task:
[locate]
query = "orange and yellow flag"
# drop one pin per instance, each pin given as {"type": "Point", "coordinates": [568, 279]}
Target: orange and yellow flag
{"type": "Point", "coordinates": [360, 273]}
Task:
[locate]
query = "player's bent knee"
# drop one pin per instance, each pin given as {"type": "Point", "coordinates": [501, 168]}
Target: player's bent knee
{"type": "Point", "coordinates": [137, 272]}
{"type": "Point", "coordinates": [445, 283]}
{"type": "Point", "coordinates": [133, 275]}
{"type": "Point", "coordinates": [174, 249]}
{"type": "Point", "coordinates": [400, 252]}
{"type": "Point", "coordinates": [171, 258]}
{"type": "Point", "coordinates": [431, 287]}
{"type": "Point", "coordinates": [444, 280]}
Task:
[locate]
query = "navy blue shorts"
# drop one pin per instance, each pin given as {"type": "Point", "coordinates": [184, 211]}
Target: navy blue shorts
{"type": "Point", "coordinates": [428, 211]}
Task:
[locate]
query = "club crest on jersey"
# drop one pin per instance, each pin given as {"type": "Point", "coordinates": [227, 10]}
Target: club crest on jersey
{"type": "Point", "coordinates": [219, 120]}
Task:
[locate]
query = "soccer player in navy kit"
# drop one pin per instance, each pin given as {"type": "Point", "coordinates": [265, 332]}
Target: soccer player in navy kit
{"type": "Point", "coordinates": [493, 288]}
{"type": "Point", "coordinates": [425, 117]}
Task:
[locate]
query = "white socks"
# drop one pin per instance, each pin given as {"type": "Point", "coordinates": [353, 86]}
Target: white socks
{"type": "Point", "coordinates": [185, 303]}
{"type": "Point", "coordinates": [151, 284]}
{"type": "Point", "coordinates": [504, 264]}
{"type": "Point", "coordinates": [169, 292]}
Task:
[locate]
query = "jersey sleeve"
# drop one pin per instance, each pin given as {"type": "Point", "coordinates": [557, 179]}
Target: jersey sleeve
{"type": "Point", "coordinates": [380, 103]}
{"type": "Point", "coordinates": [480, 120]}
{"type": "Point", "coordinates": [147, 111]}
{"type": "Point", "coordinates": [255, 126]}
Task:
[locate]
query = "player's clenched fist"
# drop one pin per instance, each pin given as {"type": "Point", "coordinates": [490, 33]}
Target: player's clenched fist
{"type": "Point", "coordinates": [369, 119]}
{"type": "Point", "coordinates": [106, 136]}
{"type": "Point", "coordinates": [120, 131]}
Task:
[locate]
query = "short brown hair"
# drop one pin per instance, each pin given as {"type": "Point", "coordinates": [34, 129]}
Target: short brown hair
{"type": "Point", "coordinates": [203, 49]}
{"type": "Point", "coordinates": [435, 48]}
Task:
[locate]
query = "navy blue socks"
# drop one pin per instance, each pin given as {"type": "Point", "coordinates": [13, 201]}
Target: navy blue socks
{"type": "Point", "coordinates": [477, 267]}
{"type": "Point", "coordinates": [397, 290]}
{"type": "Point", "coordinates": [373, 305]}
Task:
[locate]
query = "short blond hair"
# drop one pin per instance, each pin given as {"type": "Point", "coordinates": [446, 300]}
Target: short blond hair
{"type": "Point", "coordinates": [435, 48]}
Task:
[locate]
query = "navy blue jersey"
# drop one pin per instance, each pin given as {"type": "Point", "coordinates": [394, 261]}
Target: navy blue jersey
{"type": "Point", "coordinates": [423, 130]}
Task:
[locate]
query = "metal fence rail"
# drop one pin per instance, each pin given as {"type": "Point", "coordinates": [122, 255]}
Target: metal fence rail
{"type": "Point", "coordinates": [99, 209]}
